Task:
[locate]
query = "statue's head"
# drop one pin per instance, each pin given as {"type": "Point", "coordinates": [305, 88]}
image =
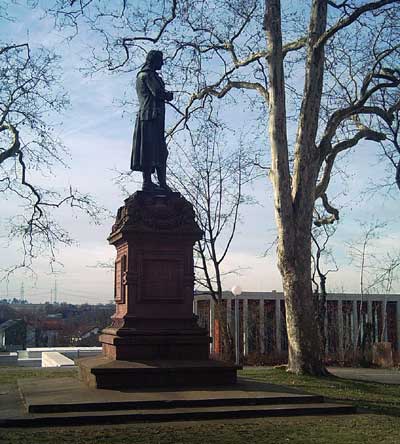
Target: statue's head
{"type": "Point", "coordinates": [154, 58]}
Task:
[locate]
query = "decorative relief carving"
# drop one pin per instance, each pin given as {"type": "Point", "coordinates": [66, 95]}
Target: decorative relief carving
{"type": "Point", "coordinates": [149, 212]}
{"type": "Point", "coordinates": [120, 280]}
{"type": "Point", "coordinates": [156, 233]}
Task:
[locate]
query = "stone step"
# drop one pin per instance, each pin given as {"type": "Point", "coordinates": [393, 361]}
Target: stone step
{"type": "Point", "coordinates": [170, 404]}
{"type": "Point", "coordinates": [102, 372]}
{"type": "Point", "coordinates": [67, 401]}
{"type": "Point", "coordinates": [69, 395]}
{"type": "Point", "coordinates": [176, 414]}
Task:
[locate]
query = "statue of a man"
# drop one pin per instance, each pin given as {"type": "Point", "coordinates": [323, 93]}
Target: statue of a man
{"type": "Point", "coordinates": [149, 150]}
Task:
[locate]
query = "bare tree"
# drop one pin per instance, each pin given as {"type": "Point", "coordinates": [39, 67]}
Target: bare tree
{"type": "Point", "coordinates": [215, 179]}
{"type": "Point", "coordinates": [322, 253]}
{"type": "Point", "coordinates": [30, 94]}
{"type": "Point", "coordinates": [392, 151]}
{"type": "Point", "coordinates": [324, 68]}
{"type": "Point", "coordinates": [378, 271]}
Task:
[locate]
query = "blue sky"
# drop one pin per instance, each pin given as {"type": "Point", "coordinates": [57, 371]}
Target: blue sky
{"type": "Point", "coordinates": [98, 135]}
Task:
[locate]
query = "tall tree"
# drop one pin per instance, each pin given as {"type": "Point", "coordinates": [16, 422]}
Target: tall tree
{"type": "Point", "coordinates": [327, 70]}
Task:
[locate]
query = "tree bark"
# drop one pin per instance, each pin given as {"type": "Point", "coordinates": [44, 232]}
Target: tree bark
{"type": "Point", "coordinates": [228, 350]}
{"type": "Point", "coordinates": [305, 354]}
{"type": "Point", "coordinates": [294, 197]}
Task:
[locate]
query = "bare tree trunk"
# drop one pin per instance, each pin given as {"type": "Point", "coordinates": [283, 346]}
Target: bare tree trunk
{"type": "Point", "coordinates": [228, 351]}
{"type": "Point", "coordinates": [301, 310]}
{"type": "Point", "coordinates": [294, 202]}
{"type": "Point", "coordinates": [322, 313]}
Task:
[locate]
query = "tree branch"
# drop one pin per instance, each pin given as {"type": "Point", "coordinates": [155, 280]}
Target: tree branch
{"type": "Point", "coordinates": [289, 47]}
{"type": "Point", "coordinates": [359, 108]}
{"type": "Point", "coordinates": [7, 48]}
{"type": "Point", "coordinates": [364, 133]}
{"type": "Point", "coordinates": [330, 209]}
{"type": "Point", "coordinates": [16, 145]}
{"type": "Point", "coordinates": [125, 41]}
{"type": "Point", "coordinates": [344, 22]}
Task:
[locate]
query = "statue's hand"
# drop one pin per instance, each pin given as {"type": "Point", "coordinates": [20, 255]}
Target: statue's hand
{"type": "Point", "coordinates": [169, 96]}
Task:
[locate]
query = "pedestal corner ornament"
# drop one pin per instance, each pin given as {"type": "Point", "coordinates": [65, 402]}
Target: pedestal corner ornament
{"type": "Point", "coordinates": [154, 339]}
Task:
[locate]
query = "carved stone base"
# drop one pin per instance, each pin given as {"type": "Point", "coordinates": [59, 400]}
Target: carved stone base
{"type": "Point", "coordinates": [156, 345]}
{"type": "Point", "coordinates": [154, 339]}
{"type": "Point", "coordinates": [105, 373]}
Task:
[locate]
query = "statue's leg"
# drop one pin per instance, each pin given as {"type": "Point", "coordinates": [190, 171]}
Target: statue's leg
{"type": "Point", "coordinates": [148, 185]}
{"type": "Point", "coordinates": [162, 178]}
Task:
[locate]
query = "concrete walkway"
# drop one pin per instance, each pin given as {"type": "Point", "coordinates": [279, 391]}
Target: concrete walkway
{"type": "Point", "coordinates": [384, 376]}
{"type": "Point", "coordinates": [381, 375]}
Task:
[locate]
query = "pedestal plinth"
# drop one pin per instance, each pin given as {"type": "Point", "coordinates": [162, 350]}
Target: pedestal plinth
{"type": "Point", "coordinates": [153, 329]}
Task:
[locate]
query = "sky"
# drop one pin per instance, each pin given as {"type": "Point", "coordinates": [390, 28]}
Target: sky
{"type": "Point", "coordinates": [97, 133]}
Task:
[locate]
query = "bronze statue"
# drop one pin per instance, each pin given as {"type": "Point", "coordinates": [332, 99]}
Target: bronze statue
{"type": "Point", "coordinates": [149, 150]}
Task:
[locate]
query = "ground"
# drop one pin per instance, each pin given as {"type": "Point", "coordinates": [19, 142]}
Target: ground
{"type": "Point", "coordinates": [378, 422]}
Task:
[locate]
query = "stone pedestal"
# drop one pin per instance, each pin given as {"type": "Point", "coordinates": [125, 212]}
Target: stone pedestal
{"type": "Point", "coordinates": [154, 324]}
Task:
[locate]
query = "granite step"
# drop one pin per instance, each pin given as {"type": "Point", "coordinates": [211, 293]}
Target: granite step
{"type": "Point", "coordinates": [69, 395]}
{"type": "Point", "coordinates": [67, 401]}
{"type": "Point", "coordinates": [176, 414]}
{"type": "Point", "coordinates": [170, 404]}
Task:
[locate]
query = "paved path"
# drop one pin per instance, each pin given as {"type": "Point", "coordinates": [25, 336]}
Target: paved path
{"type": "Point", "coordinates": [384, 376]}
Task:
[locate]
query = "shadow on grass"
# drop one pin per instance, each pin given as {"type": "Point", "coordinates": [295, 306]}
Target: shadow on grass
{"type": "Point", "coordinates": [373, 397]}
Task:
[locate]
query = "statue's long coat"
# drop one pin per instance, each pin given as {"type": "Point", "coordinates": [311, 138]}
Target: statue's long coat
{"type": "Point", "coordinates": [149, 149]}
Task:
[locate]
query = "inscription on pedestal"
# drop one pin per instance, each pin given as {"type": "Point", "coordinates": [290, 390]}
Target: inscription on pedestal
{"type": "Point", "coordinates": [162, 280]}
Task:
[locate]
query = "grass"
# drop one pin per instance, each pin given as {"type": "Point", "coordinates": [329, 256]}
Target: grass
{"type": "Point", "coordinates": [365, 429]}
{"type": "Point", "coordinates": [371, 396]}
{"type": "Point", "coordinates": [10, 375]}
{"type": "Point", "coordinates": [382, 425]}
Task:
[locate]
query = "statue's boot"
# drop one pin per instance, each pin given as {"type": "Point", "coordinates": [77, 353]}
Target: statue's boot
{"type": "Point", "coordinates": [148, 185]}
{"type": "Point", "coordinates": [162, 182]}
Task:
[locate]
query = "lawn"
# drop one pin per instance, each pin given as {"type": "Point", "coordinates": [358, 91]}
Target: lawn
{"type": "Point", "coordinates": [369, 396]}
{"type": "Point", "coordinates": [10, 375]}
{"type": "Point", "coordinates": [380, 425]}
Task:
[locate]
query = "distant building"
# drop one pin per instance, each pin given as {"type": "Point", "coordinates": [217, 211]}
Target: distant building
{"type": "Point", "coordinates": [13, 335]}
{"type": "Point", "coordinates": [7, 313]}
{"type": "Point", "coordinates": [27, 307]}
{"type": "Point", "coordinates": [31, 335]}
{"type": "Point", "coordinates": [48, 332]}
{"type": "Point", "coordinates": [55, 316]}
{"type": "Point", "coordinates": [89, 337]}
